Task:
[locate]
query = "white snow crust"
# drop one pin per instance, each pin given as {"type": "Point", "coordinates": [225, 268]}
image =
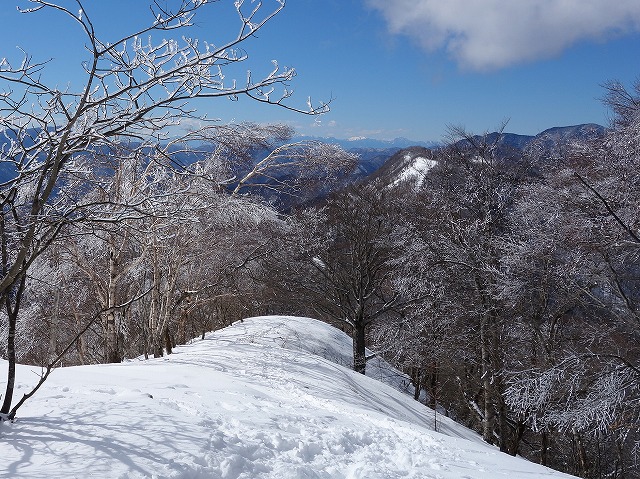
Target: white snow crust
{"type": "Point", "coordinates": [268, 397]}
{"type": "Point", "coordinates": [415, 170]}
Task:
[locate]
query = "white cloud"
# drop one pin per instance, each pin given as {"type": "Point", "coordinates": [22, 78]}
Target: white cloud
{"type": "Point", "coordinates": [491, 34]}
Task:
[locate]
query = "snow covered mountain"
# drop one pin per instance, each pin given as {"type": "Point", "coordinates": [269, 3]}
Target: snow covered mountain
{"type": "Point", "coordinates": [407, 164]}
{"type": "Point", "coordinates": [265, 398]}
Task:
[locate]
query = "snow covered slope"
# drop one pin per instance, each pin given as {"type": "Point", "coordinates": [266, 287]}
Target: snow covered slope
{"type": "Point", "coordinates": [264, 398]}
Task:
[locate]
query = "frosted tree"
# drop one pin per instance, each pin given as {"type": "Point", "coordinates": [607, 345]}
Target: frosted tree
{"type": "Point", "coordinates": [459, 228]}
{"type": "Point", "coordinates": [179, 239]}
{"type": "Point", "coordinates": [134, 87]}
{"type": "Point", "coordinates": [350, 250]}
{"type": "Point", "coordinates": [575, 260]}
{"type": "Point", "coordinates": [264, 159]}
{"type": "Point", "coordinates": [423, 338]}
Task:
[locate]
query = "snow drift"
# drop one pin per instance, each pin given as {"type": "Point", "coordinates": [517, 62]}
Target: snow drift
{"type": "Point", "coordinates": [268, 397]}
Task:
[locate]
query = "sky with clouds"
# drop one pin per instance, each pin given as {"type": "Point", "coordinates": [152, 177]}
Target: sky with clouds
{"type": "Point", "coordinates": [394, 68]}
{"type": "Point", "coordinates": [485, 35]}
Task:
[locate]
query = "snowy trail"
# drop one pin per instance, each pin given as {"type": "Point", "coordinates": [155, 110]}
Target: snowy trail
{"type": "Point", "coordinates": [259, 399]}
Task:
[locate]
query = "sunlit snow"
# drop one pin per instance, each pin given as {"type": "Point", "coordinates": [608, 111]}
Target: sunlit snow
{"type": "Point", "coordinates": [267, 397]}
{"type": "Point", "coordinates": [416, 170]}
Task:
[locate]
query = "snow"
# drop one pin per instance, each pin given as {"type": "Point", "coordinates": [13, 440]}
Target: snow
{"type": "Point", "coordinates": [418, 167]}
{"type": "Point", "coordinates": [268, 397]}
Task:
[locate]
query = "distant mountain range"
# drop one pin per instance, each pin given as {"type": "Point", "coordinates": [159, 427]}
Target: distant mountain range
{"type": "Point", "coordinates": [388, 158]}
{"type": "Point", "coordinates": [548, 139]}
{"type": "Point", "coordinates": [398, 158]}
{"type": "Point", "coordinates": [413, 160]}
{"type": "Point", "coordinates": [361, 142]}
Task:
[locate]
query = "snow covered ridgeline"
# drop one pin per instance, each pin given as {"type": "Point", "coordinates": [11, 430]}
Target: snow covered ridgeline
{"type": "Point", "coordinates": [255, 400]}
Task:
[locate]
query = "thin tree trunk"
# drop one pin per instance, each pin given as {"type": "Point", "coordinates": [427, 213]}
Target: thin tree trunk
{"type": "Point", "coordinates": [433, 379]}
{"type": "Point", "coordinates": [112, 355]}
{"type": "Point", "coordinates": [12, 314]}
{"type": "Point", "coordinates": [415, 378]}
{"type": "Point", "coordinates": [487, 393]}
{"type": "Point", "coordinates": [359, 351]}
{"type": "Point", "coordinates": [54, 325]}
{"type": "Point", "coordinates": [111, 327]}
{"type": "Point", "coordinates": [11, 357]}
{"type": "Point", "coordinates": [167, 340]}
{"type": "Point", "coordinates": [81, 343]}
{"type": "Point", "coordinates": [583, 465]}
{"type": "Point", "coordinates": [544, 449]}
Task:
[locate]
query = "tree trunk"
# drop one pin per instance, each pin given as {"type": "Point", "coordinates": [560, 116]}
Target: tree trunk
{"type": "Point", "coordinates": [11, 357]}
{"type": "Point", "coordinates": [488, 412]}
{"type": "Point", "coordinates": [12, 315]}
{"type": "Point", "coordinates": [513, 445]}
{"type": "Point", "coordinates": [158, 350]}
{"type": "Point", "coordinates": [110, 324]}
{"type": "Point", "coordinates": [544, 449]}
{"type": "Point", "coordinates": [359, 352]}
{"type": "Point", "coordinates": [53, 326]}
{"type": "Point", "coordinates": [181, 335]}
{"type": "Point", "coordinates": [111, 353]}
{"type": "Point", "coordinates": [508, 441]}
{"type": "Point", "coordinates": [417, 383]}
{"type": "Point", "coordinates": [81, 343]}
{"type": "Point", "coordinates": [167, 340]}
{"type": "Point", "coordinates": [433, 378]}
{"type": "Point", "coordinates": [583, 464]}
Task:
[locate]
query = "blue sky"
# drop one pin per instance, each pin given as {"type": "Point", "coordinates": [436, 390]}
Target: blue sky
{"type": "Point", "coordinates": [395, 68]}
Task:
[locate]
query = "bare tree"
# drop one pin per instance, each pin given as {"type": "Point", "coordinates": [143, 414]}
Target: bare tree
{"type": "Point", "coordinates": [460, 224]}
{"type": "Point", "coordinates": [580, 224]}
{"type": "Point", "coordinates": [134, 87]}
{"type": "Point", "coordinates": [351, 255]}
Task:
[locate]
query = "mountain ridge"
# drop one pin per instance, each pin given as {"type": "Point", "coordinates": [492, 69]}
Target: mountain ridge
{"type": "Point", "coordinates": [414, 157]}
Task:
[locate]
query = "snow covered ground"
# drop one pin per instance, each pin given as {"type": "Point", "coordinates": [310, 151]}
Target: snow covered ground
{"type": "Point", "coordinates": [415, 169]}
{"type": "Point", "coordinates": [265, 398]}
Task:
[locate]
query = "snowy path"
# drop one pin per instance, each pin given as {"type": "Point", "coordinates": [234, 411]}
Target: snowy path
{"type": "Point", "coordinates": [256, 400]}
